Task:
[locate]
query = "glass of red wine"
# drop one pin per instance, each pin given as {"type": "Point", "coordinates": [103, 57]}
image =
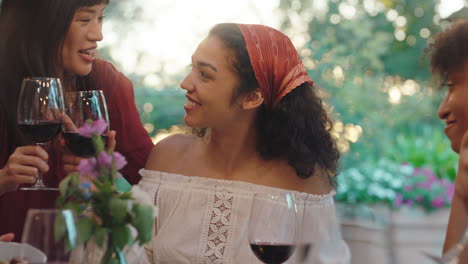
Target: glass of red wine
{"type": "Point", "coordinates": [54, 233]}
{"type": "Point", "coordinates": [40, 104]}
{"type": "Point", "coordinates": [273, 227]}
{"type": "Point", "coordinates": [306, 235]}
{"type": "Point", "coordinates": [82, 107]}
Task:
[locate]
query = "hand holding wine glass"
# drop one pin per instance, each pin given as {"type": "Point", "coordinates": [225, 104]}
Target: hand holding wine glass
{"type": "Point", "coordinates": [22, 167]}
{"type": "Point", "coordinates": [85, 106]}
{"type": "Point", "coordinates": [82, 107]}
{"type": "Point", "coordinates": [40, 103]}
{"type": "Point", "coordinates": [272, 228]}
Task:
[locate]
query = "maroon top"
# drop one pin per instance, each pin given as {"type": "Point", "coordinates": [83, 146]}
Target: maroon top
{"type": "Point", "coordinates": [132, 141]}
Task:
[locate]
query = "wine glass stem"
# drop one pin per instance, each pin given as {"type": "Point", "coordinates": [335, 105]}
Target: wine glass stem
{"type": "Point", "coordinates": [40, 183]}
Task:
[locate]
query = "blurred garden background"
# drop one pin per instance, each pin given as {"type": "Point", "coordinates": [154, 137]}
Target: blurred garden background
{"type": "Point", "coordinates": [367, 57]}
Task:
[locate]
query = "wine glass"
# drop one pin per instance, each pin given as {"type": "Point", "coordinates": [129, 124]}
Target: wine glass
{"type": "Point", "coordinates": [52, 231]}
{"type": "Point", "coordinates": [40, 104]}
{"type": "Point", "coordinates": [83, 106]}
{"type": "Point", "coordinates": [306, 235]}
{"type": "Point", "coordinates": [273, 226]}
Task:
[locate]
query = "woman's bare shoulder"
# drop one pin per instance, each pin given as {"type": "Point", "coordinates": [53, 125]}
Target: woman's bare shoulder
{"type": "Point", "coordinates": [168, 151]}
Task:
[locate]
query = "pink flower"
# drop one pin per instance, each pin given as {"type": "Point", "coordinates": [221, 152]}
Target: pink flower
{"type": "Point", "coordinates": [96, 128]}
{"type": "Point", "coordinates": [119, 160]}
{"type": "Point", "coordinates": [431, 177]}
{"type": "Point", "coordinates": [398, 200]}
{"type": "Point", "coordinates": [445, 182]}
{"type": "Point", "coordinates": [88, 167]}
{"type": "Point", "coordinates": [417, 171]}
{"type": "Point", "coordinates": [438, 202]}
{"type": "Point", "coordinates": [409, 202]}
{"type": "Point", "coordinates": [104, 160]}
{"type": "Point", "coordinates": [420, 198]}
{"type": "Point", "coordinates": [425, 185]}
{"type": "Point", "coordinates": [408, 188]}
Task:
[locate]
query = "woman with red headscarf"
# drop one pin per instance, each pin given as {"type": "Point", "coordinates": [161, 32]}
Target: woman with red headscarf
{"type": "Point", "coordinates": [260, 128]}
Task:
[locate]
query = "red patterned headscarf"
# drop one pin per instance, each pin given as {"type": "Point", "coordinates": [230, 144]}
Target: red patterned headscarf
{"type": "Point", "coordinates": [276, 63]}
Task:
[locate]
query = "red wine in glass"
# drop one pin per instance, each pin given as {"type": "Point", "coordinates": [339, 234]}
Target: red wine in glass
{"type": "Point", "coordinates": [41, 131]}
{"type": "Point", "coordinates": [272, 227]}
{"type": "Point", "coordinates": [82, 107]}
{"type": "Point", "coordinates": [272, 253]}
{"type": "Point", "coordinates": [79, 145]}
{"type": "Point", "coordinates": [40, 104]}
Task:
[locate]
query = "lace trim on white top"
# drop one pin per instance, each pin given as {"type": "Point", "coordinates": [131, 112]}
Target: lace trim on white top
{"type": "Point", "coordinates": [217, 229]}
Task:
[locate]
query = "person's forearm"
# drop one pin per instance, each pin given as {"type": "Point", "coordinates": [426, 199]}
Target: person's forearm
{"type": "Point", "coordinates": [458, 222]}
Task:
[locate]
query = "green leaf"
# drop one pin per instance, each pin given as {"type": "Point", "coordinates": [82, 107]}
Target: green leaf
{"type": "Point", "coordinates": [75, 207]}
{"type": "Point", "coordinates": [100, 235]}
{"type": "Point", "coordinates": [85, 228]}
{"type": "Point", "coordinates": [98, 143]}
{"type": "Point", "coordinates": [143, 222]}
{"type": "Point", "coordinates": [118, 210]}
{"type": "Point", "coordinates": [121, 236]}
{"type": "Point", "coordinates": [66, 183]}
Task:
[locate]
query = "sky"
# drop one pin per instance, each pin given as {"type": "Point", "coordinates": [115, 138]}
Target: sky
{"type": "Point", "coordinates": [173, 29]}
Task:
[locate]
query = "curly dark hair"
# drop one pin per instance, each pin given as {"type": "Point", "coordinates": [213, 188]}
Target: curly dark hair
{"type": "Point", "coordinates": [449, 51]}
{"type": "Point", "coordinates": [297, 129]}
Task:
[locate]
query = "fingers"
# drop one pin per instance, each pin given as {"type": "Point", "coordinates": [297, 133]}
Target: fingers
{"type": "Point", "coordinates": [71, 159]}
{"type": "Point", "coordinates": [111, 142]}
{"type": "Point", "coordinates": [20, 179]}
{"type": "Point", "coordinates": [71, 163]}
{"type": "Point", "coordinates": [27, 161]}
{"type": "Point", "coordinates": [32, 151]}
{"type": "Point", "coordinates": [7, 237]}
{"type": "Point", "coordinates": [68, 124]}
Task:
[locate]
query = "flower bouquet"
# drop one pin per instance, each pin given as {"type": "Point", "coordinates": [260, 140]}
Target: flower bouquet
{"type": "Point", "coordinates": [106, 215]}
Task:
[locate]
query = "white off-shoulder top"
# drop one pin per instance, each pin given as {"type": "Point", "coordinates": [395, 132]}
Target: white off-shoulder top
{"type": "Point", "coordinates": [204, 220]}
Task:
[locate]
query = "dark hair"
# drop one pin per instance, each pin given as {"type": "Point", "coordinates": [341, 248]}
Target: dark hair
{"type": "Point", "coordinates": [297, 129]}
{"type": "Point", "coordinates": [32, 33]}
{"type": "Point", "coordinates": [449, 51]}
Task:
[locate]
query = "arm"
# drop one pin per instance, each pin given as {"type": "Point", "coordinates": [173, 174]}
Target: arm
{"type": "Point", "coordinates": [458, 220]}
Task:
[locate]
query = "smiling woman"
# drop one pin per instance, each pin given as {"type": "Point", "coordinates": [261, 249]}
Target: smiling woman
{"type": "Point", "coordinates": [79, 47]}
{"type": "Point", "coordinates": [56, 38]}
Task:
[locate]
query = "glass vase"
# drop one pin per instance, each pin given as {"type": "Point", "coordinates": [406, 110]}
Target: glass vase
{"type": "Point", "coordinates": [112, 254]}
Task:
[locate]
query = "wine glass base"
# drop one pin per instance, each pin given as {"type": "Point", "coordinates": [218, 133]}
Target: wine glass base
{"type": "Point", "coordinates": [38, 188]}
